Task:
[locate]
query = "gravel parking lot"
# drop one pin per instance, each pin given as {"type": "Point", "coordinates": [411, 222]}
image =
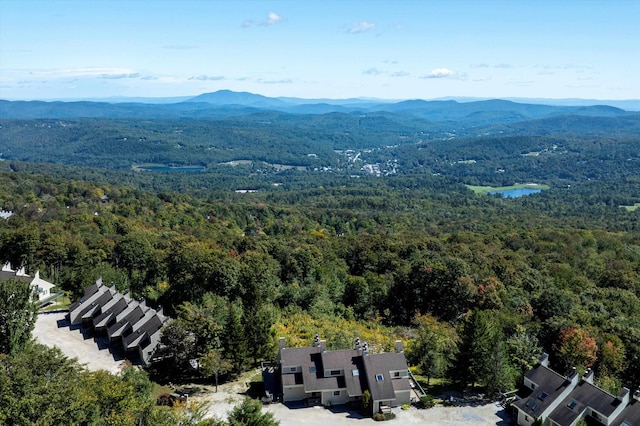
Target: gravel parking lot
{"type": "Point", "coordinates": [475, 414]}
{"type": "Point", "coordinates": [53, 329]}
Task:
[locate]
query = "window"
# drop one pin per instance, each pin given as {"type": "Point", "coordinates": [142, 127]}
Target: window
{"type": "Point", "coordinates": [543, 396]}
{"type": "Point", "coordinates": [379, 377]}
{"type": "Point", "coordinates": [529, 403]}
{"type": "Point", "coordinates": [334, 373]}
{"type": "Point", "coordinates": [312, 369]}
{"type": "Point", "coordinates": [355, 372]}
{"type": "Point", "coordinates": [396, 374]}
{"type": "Point", "coordinates": [572, 404]}
{"type": "Point", "coordinates": [624, 424]}
{"type": "Point", "coordinates": [293, 369]}
{"type": "Point", "coordinates": [336, 393]}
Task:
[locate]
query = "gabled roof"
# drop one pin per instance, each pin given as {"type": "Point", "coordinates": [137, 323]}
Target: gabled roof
{"type": "Point", "coordinates": [377, 368]}
{"type": "Point", "coordinates": [584, 395]}
{"type": "Point", "coordinates": [91, 308]}
{"type": "Point", "coordinates": [104, 318]}
{"type": "Point", "coordinates": [549, 386]}
{"type": "Point", "coordinates": [630, 415]}
{"type": "Point", "coordinates": [148, 329]}
{"type": "Point", "coordinates": [133, 316]}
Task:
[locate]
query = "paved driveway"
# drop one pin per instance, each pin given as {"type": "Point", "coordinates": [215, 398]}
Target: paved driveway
{"type": "Point", "coordinates": [53, 329]}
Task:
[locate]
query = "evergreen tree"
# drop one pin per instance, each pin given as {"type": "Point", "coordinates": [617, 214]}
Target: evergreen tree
{"type": "Point", "coordinates": [482, 357]}
{"type": "Point", "coordinates": [235, 343]}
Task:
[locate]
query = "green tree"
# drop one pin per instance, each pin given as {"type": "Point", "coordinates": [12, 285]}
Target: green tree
{"type": "Point", "coordinates": [434, 348]}
{"type": "Point", "coordinates": [212, 364]}
{"type": "Point", "coordinates": [18, 312]}
{"type": "Point", "coordinates": [249, 413]}
{"type": "Point", "coordinates": [482, 357]}
{"type": "Point", "coordinates": [235, 342]}
{"type": "Point", "coordinates": [179, 342]}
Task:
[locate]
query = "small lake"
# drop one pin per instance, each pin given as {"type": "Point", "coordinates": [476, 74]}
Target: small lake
{"type": "Point", "coordinates": [186, 169]}
{"type": "Point", "coordinates": [515, 193]}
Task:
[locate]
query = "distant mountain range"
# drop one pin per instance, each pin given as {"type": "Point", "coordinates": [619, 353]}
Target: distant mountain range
{"type": "Point", "coordinates": [226, 103]}
{"type": "Point", "coordinates": [228, 97]}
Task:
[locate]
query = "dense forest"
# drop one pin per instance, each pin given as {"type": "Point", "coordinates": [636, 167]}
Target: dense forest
{"type": "Point", "coordinates": [477, 285]}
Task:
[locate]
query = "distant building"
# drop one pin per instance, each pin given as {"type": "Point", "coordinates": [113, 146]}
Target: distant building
{"type": "Point", "coordinates": [318, 376]}
{"type": "Point", "coordinates": [40, 287]}
{"type": "Point", "coordinates": [559, 400]}
{"type": "Point", "coordinates": [129, 324]}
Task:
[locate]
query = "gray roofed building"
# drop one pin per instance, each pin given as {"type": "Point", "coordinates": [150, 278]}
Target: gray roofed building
{"type": "Point", "coordinates": [315, 375]}
{"type": "Point", "coordinates": [586, 399]}
{"type": "Point", "coordinates": [131, 324]}
{"type": "Point", "coordinates": [630, 416]}
{"type": "Point", "coordinates": [563, 401]}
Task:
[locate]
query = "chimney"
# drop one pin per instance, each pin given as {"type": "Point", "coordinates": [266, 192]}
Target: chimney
{"type": "Point", "coordinates": [357, 346]}
{"type": "Point", "coordinates": [316, 340]}
{"type": "Point", "coordinates": [323, 345]}
{"type": "Point", "coordinates": [636, 395]}
{"type": "Point", "coordinates": [588, 376]}
{"type": "Point", "coordinates": [623, 396]}
{"type": "Point", "coordinates": [544, 359]}
{"type": "Point", "coordinates": [573, 376]}
{"type": "Point", "coordinates": [399, 348]}
{"type": "Point", "coordinates": [281, 342]}
{"type": "Point", "coordinates": [365, 349]}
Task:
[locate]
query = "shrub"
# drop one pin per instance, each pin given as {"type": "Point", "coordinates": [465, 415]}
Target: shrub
{"type": "Point", "coordinates": [426, 402]}
{"type": "Point", "coordinates": [380, 417]}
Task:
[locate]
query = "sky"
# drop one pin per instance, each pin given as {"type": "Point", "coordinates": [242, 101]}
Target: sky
{"type": "Point", "coordinates": [389, 49]}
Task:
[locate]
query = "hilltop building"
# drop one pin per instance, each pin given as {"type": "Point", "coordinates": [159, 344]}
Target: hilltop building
{"type": "Point", "coordinates": [129, 324]}
{"type": "Point", "coordinates": [40, 287]}
{"type": "Point", "coordinates": [318, 376]}
{"type": "Point", "coordinates": [560, 400]}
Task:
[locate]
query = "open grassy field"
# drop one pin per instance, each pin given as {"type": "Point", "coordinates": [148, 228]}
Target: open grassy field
{"type": "Point", "coordinates": [632, 208]}
{"type": "Point", "coordinates": [487, 189]}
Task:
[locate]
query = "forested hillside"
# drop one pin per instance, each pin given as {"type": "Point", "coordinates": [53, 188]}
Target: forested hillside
{"type": "Point", "coordinates": [477, 285]}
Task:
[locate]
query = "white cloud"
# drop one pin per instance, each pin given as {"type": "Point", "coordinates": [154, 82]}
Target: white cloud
{"type": "Point", "coordinates": [85, 72]}
{"type": "Point", "coordinates": [203, 77]}
{"type": "Point", "coordinates": [285, 81]}
{"type": "Point", "coordinates": [271, 19]}
{"type": "Point", "coordinates": [441, 73]}
{"type": "Point", "coordinates": [120, 76]}
{"type": "Point", "coordinates": [274, 18]}
{"type": "Point", "coordinates": [399, 74]}
{"type": "Point", "coordinates": [372, 71]}
{"type": "Point", "coordinates": [360, 27]}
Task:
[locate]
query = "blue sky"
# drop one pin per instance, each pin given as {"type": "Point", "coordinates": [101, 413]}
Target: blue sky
{"type": "Point", "coordinates": [402, 49]}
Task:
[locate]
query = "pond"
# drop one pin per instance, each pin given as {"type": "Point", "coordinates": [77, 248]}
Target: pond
{"type": "Point", "coordinates": [515, 193]}
{"type": "Point", "coordinates": [161, 168]}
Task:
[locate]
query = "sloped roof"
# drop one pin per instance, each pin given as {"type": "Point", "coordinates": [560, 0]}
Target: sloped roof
{"type": "Point", "coordinates": [549, 386]}
{"type": "Point", "coordinates": [584, 395]}
{"type": "Point", "coordinates": [377, 368]}
{"type": "Point", "coordinates": [630, 415]}
{"type": "Point", "coordinates": [104, 318]}
{"type": "Point", "coordinates": [148, 329]}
